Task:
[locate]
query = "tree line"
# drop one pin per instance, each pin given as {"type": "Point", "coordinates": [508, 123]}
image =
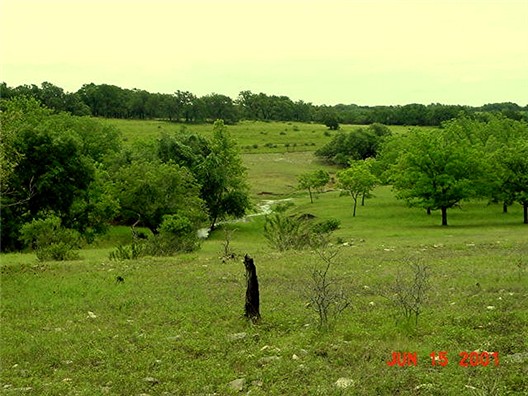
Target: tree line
{"type": "Point", "coordinates": [479, 156]}
{"type": "Point", "coordinates": [66, 179]}
{"type": "Point", "coordinates": [110, 101]}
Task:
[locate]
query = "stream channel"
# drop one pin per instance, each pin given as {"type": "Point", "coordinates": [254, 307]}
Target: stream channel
{"type": "Point", "coordinates": [263, 208]}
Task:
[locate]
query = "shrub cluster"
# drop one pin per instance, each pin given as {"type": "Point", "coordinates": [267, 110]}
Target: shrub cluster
{"type": "Point", "coordinates": [285, 232]}
{"type": "Point", "coordinates": [49, 239]}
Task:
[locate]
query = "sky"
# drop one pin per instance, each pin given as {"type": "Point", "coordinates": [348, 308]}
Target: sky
{"type": "Point", "coordinates": [366, 52]}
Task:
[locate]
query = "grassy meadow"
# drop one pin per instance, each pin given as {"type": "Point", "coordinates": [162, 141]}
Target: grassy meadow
{"type": "Point", "coordinates": [175, 325]}
{"type": "Point", "coordinates": [252, 136]}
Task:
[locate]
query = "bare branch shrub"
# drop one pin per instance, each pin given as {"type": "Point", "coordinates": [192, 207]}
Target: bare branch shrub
{"type": "Point", "coordinates": [325, 295]}
{"type": "Point", "coordinates": [409, 291]}
{"type": "Point", "coordinates": [228, 252]}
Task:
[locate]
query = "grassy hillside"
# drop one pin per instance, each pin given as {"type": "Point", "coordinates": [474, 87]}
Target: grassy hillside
{"type": "Point", "coordinates": [174, 326]}
{"type": "Point", "coordinates": [252, 136]}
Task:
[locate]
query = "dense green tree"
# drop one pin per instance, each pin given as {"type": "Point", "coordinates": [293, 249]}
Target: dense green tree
{"type": "Point", "coordinates": [498, 138]}
{"type": "Point", "coordinates": [314, 180]}
{"type": "Point", "coordinates": [356, 181]}
{"type": "Point", "coordinates": [105, 100]}
{"type": "Point", "coordinates": [50, 164]}
{"type": "Point", "coordinates": [513, 174]}
{"type": "Point", "coordinates": [110, 101]}
{"type": "Point", "coordinates": [437, 169]}
{"type": "Point", "coordinates": [220, 107]}
{"type": "Point", "coordinates": [217, 167]}
{"type": "Point", "coordinates": [149, 191]}
{"type": "Point", "coordinates": [359, 144]}
{"type": "Point", "coordinates": [223, 178]}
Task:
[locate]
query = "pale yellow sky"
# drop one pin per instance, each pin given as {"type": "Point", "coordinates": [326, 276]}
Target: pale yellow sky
{"type": "Point", "coordinates": [320, 51]}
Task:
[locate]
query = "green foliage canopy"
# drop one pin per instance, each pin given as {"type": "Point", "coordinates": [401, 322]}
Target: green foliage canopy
{"type": "Point", "coordinates": [51, 162]}
{"type": "Point", "coordinates": [438, 169]}
{"type": "Point", "coordinates": [357, 180]}
{"type": "Point", "coordinates": [217, 167]}
{"type": "Point", "coordinates": [149, 191]}
{"type": "Point", "coordinates": [359, 144]}
{"type": "Point", "coordinates": [313, 180]}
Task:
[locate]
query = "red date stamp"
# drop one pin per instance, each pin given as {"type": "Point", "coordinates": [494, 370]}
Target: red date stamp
{"type": "Point", "coordinates": [467, 359]}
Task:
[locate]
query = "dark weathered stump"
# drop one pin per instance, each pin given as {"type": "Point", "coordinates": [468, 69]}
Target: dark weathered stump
{"type": "Point", "coordinates": [252, 307]}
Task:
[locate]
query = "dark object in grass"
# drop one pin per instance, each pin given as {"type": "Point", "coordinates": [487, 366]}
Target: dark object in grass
{"type": "Point", "coordinates": [119, 279]}
{"type": "Point", "coordinates": [252, 306]}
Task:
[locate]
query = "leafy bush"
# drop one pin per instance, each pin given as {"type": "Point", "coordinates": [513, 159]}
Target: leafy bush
{"type": "Point", "coordinates": [285, 232]}
{"type": "Point", "coordinates": [326, 226]}
{"type": "Point", "coordinates": [359, 144]}
{"type": "Point", "coordinates": [49, 239]}
{"type": "Point", "coordinates": [128, 252]}
{"type": "Point", "coordinates": [176, 234]}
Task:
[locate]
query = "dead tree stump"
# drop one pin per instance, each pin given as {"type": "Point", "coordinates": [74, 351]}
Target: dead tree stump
{"type": "Point", "coordinates": [252, 306]}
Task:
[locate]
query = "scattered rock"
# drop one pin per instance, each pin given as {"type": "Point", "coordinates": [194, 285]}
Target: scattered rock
{"type": "Point", "coordinates": [424, 386]}
{"type": "Point", "coordinates": [344, 383]}
{"type": "Point", "coordinates": [258, 383]}
{"type": "Point", "coordinates": [237, 336]}
{"type": "Point", "coordinates": [295, 357]}
{"type": "Point", "coordinates": [268, 359]}
{"type": "Point", "coordinates": [151, 380]}
{"type": "Point", "coordinates": [91, 315]}
{"type": "Point", "coordinates": [521, 357]}
{"type": "Point", "coordinates": [237, 385]}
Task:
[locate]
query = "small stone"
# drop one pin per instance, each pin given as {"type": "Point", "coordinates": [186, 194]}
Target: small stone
{"type": "Point", "coordinates": [237, 385]}
{"type": "Point", "coordinates": [268, 359]}
{"type": "Point", "coordinates": [237, 336]}
{"type": "Point", "coordinates": [295, 357]}
{"type": "Point", "coordinates": [344, 383]}
{"type": "Point", "coordinates": [490, 307]}
{"type": "Point", "coordinates": [151, 380]}
{"type": "Point", "coordinates": [258, 383]}
{"type": "Point", "coordinates": [91, 315]}
{"type": "Point", "coordinates": [521, 357]}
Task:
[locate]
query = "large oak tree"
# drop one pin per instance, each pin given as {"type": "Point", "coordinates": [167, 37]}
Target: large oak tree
{"type": "Point", "coordinates": [437, 169]}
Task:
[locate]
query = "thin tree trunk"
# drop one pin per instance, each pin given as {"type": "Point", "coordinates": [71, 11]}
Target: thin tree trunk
{"type": "Point", "coordinates": [310, 191]}
{"type": "Point", "coordinates": [444, 215]}
{"type": "Point", "coordinates": [525, 205]}
{"type": "Point", "coordinates": [355, 205]}
{"type": "Point", "coordinates": [504, 207]}
{"type": "Point", "coordinates": [429, 211]}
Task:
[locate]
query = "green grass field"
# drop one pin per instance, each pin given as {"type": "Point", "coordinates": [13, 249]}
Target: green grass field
{"type": "Point", "coordinates": [252, 136]}
{"type": "Point", "coordinates": [175, 325]}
